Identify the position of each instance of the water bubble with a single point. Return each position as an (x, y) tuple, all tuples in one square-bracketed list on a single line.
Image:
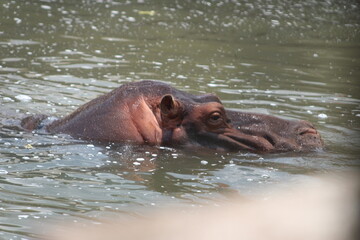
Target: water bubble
[(23, 98), (203, 162), (46, 7), (131, 19), (86, 67), (181, 77), (322, 116), (17, 20), (7, 99), (275, 22)]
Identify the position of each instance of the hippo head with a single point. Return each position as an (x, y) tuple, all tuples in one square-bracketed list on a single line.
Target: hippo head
[(205, 122)]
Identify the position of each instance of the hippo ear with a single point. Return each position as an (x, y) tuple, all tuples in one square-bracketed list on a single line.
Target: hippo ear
[(169, 106)]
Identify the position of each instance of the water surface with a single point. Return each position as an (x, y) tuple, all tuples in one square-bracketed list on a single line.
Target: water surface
[(293, 59)]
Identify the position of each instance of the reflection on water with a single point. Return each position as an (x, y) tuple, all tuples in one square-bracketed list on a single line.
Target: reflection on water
[(298, 60)]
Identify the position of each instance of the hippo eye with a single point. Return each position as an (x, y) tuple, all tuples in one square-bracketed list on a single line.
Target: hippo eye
[(215, 118)]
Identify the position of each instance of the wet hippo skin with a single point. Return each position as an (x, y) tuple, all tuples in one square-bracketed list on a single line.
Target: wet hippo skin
[(155, 113)]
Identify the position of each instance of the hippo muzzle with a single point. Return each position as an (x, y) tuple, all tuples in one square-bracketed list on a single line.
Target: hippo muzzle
[(264, 133)]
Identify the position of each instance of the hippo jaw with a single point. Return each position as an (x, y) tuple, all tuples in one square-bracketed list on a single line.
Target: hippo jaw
[(248, 142), (232, 140)]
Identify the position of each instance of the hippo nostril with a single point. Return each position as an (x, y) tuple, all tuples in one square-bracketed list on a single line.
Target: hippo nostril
[(307, 131)]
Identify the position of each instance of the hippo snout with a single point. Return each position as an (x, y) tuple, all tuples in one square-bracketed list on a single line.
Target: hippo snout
[(308, 137), (280, 134)]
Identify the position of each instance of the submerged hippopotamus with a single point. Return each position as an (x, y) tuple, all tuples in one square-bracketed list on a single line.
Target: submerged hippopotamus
[(155, 113)]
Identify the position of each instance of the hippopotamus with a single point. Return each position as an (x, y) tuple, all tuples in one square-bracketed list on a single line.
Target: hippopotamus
[(155, 113)]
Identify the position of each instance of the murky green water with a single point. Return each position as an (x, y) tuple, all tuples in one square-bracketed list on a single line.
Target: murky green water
[(294, 59)]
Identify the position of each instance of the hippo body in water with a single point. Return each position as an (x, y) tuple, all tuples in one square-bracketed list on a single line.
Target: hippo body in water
[(155, 113)]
